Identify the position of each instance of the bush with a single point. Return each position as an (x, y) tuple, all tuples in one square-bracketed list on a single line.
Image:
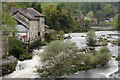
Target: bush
[(42, 43), (104, 43), (50, 37), (25, 56), (58, 56), (100, 38), (61, 34), (53, 37), (82, 68), (15, 47), (104, 49), (88, 58), (91, 38), (78, 59), (105, 39), (118, 58), (103, 56)]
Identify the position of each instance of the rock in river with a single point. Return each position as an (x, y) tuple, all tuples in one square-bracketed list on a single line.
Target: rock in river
[(8, 64)]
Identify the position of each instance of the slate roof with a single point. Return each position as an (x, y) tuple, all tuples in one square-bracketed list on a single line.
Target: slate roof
[(22, 22), (30, 13)]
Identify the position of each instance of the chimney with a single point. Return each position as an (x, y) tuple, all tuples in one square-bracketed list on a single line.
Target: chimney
[(24, 10)]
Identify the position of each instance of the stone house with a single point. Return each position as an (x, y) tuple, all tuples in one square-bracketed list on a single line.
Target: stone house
[(31, 24)]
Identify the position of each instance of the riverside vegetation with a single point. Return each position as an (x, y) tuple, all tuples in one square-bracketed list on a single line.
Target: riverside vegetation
[(61, 57)]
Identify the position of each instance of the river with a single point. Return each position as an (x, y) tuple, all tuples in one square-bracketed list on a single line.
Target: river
[(28, 68)]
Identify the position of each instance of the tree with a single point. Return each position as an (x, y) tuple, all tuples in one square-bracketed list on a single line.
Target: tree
[(104, 49), (36, 6), (91, 38), (51, 13), (58, 56), (6, 6), (115, 23), (87, 24), (15, 46), (9, 23), (100, 16), (103, 56), (90, 15), (88, 58), (108, 10)]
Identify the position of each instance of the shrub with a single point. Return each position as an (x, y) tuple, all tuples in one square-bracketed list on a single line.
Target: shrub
[(53, 36), (100, 38), (115, 42), (15, 47), (104, 49), (42, 43), (104, 43), (91, 38), (102, 58), (88, 58), (118, 58), (61, 34), (25, 56), (105, 39), (103, 35), (78, 59), (58, 56)]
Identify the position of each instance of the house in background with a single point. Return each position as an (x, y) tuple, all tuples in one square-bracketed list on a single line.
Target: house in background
[(31, 24)]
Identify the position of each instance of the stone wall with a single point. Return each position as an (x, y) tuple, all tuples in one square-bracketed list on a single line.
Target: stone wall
[(42, 27), (33, 30)]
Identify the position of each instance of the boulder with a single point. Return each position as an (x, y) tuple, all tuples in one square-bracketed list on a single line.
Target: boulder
[(8, 64)]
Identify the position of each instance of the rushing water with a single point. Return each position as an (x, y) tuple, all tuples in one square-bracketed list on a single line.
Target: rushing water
[(28, 68), (104, 71)]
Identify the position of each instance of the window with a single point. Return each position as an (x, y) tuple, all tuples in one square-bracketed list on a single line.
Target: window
[(38, 33), (42, 22)]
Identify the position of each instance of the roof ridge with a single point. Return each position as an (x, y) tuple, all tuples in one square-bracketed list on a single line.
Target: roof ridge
[(37, 12)]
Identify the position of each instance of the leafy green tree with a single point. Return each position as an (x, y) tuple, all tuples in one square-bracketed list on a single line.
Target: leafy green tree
[(9, 23), (91, 38), (103, 56), (114, 23), (87, 24), (36, 6), (6, 6), (108, 10), (90, 15), (104, 49), (51, 13), (88, 58), (61, 34), (118, 58), (15, 47), (100, 16), (58, 56)]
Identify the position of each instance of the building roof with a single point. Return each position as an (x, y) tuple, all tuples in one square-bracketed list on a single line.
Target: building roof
[(30, 13)]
